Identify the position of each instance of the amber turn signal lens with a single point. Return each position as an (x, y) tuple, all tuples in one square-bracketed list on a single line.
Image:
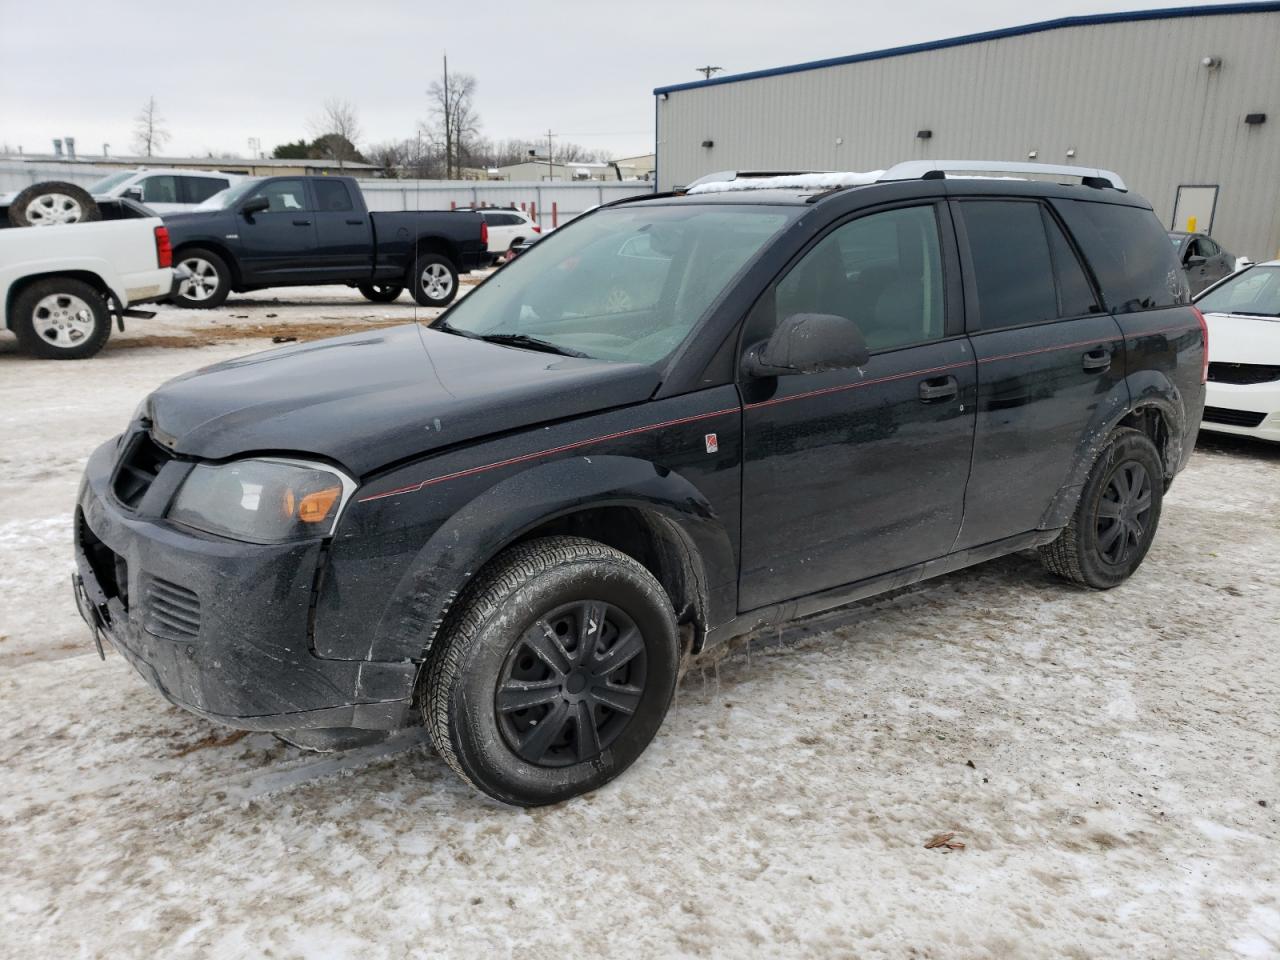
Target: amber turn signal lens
[(315, 507)]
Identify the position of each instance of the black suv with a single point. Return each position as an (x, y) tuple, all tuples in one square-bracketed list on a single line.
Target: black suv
[(674, 421)]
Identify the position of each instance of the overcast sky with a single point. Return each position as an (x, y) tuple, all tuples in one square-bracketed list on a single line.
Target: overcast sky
[(225, 71)]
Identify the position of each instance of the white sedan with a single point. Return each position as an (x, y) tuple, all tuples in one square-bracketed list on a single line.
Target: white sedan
[(1243, 317)]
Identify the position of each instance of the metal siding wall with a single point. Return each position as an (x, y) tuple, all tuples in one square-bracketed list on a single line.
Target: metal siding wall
[(1132, 97)]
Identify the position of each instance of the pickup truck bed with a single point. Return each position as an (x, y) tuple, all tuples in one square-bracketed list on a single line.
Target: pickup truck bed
[(61, 286), (287, 231)]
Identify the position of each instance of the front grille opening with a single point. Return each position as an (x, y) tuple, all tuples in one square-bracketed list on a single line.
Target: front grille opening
[(108, 567), (170, 610), (1244, 373), (138, 468), (1233, 418)]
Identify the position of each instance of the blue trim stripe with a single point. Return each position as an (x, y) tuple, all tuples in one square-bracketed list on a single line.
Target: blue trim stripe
[(1168, 13)]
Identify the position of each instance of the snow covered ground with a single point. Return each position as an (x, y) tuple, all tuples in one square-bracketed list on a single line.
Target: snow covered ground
[(1108, 760)]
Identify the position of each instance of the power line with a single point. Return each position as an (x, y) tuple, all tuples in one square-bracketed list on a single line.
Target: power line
[(707, 71)]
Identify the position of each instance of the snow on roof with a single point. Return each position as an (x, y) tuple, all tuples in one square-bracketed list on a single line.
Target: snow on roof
[(815, 182)]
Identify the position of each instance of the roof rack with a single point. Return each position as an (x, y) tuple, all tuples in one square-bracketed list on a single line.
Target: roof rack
[(725, 176), (938, 169)]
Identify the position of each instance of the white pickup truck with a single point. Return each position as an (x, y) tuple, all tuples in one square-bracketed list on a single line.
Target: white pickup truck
[(61, 287)]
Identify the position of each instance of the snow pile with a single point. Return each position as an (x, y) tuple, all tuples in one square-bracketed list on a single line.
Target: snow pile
[(816, 182)]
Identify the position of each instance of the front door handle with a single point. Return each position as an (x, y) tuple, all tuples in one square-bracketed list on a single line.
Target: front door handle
[(302, 223), (1096, 360), (356, 223), (938, 388)]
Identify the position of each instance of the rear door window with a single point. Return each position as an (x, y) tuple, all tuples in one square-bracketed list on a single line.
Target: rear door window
[(1076, 297), (160, 189), (332, 196), (1012, 266), (199, 189), (1129, 252)]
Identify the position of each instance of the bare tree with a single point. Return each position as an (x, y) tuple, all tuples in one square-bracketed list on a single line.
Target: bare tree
[(336, 131), (149, 132), (455, 123)]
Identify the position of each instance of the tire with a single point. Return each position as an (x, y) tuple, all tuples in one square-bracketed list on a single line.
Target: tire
[(210, 281), (1116, 520), (61, 318), (434, 280), (380, 292), (51, 203), (487, 690)]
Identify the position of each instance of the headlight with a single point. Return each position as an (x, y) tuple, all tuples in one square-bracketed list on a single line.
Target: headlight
[(262, 501)]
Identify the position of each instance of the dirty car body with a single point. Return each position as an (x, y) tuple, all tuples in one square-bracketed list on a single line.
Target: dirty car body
[(659, 424)]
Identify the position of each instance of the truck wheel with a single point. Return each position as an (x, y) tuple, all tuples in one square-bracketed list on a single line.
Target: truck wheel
[(209, 283), (1115, 522), (380, 292), (435, 281), (51, 203), (554, 671), (61, 319)]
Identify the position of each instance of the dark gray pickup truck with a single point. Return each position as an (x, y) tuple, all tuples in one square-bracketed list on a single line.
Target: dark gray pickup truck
[(304, 231)]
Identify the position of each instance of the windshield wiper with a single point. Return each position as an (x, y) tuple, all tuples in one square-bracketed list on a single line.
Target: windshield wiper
[(530, 343)]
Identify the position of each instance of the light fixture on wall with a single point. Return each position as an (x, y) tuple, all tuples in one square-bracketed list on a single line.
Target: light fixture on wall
[(662, 96), (924, 134), (1071, 152), (1253, 119), (1211, 63), (708, 143), (1031, 154)]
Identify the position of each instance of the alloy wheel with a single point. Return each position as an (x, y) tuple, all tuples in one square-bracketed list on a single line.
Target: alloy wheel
[(1123, 511), (203, 282), (571, 683), (437, 281), (49, 209), (63, 320)]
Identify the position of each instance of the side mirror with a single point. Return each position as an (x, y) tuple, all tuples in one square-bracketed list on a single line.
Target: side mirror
[(1196, 261), (133, 193), (255, 205), (808, 343)]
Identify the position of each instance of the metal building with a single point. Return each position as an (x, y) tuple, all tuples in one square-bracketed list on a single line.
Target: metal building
[(1184, 103)]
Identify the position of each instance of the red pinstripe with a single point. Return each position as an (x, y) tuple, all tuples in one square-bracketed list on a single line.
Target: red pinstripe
[(577, 444)]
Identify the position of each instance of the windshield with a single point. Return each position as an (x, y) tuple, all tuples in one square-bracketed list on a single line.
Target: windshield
[(1254, 292), (106, 183), (228, 197), (625, 284)]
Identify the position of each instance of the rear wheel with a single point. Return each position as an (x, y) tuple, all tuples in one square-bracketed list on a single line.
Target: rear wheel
[(555, 673), (435, 281), (61, 319), (208, 283), (51, 203), (380, 292), (1116, 519)]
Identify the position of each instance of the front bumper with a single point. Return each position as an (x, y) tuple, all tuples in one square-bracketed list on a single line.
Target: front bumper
[(1247, 410), (218, 627)]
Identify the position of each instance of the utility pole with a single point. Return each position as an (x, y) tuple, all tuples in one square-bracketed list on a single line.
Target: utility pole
[(448, 125), (550, 171), (707, 71)]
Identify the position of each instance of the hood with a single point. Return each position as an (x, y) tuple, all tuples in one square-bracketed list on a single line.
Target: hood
[(371, 399), (1237, 339)]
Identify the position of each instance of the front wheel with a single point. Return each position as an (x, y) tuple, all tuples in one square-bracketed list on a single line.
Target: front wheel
[(434, 281), (380, 292), (554, 673), (208, 282), (61, 319), (1113, 526)]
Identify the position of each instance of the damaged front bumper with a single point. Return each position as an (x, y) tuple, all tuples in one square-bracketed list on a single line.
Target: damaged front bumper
[(218, 627)]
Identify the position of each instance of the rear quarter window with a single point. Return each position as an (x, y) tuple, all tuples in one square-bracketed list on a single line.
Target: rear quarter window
[(1130, 254)]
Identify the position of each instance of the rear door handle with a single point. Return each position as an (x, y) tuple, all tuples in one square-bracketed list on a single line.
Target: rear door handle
[(355, 223), (1096, 360), (938, 388), (302, 223)]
